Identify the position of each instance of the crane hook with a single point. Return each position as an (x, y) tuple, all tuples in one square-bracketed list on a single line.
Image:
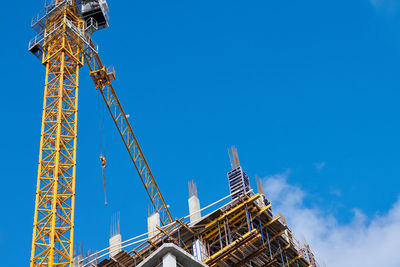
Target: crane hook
[(103, 166)]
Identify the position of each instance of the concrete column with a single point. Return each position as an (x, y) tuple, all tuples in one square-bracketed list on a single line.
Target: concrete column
[(261, 201), (194, 208), (152, 222), (115, 245), (169, 260), (199, 250), (76, 259)]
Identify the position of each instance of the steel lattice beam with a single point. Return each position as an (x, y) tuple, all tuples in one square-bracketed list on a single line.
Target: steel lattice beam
[(52, 241), (102, 80)]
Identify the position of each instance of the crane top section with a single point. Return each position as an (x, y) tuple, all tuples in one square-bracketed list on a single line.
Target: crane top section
[(89, 10), (95, 10), (94, 13)]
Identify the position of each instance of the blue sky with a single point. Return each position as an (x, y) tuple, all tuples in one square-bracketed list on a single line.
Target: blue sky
[(307, 90)]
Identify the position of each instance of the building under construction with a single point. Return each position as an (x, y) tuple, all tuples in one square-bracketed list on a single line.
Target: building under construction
[(242, 232), (242, 229)]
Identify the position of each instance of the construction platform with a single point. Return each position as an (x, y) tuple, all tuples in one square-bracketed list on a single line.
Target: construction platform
[(240, 233)]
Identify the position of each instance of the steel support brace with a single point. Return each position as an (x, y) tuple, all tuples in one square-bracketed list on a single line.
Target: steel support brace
[(179, 237), (262, 234), (248, 218), (269, 245), (220, 238), (229, 230), (280, 252)]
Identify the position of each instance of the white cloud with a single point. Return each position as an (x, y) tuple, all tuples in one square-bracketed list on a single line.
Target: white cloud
[(362, 242)]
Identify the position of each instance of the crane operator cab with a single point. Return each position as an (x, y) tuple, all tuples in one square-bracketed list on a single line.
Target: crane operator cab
[(95, 12)]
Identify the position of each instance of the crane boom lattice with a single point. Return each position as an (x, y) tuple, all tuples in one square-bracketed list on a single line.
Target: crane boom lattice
[(62, 54), (102, 79), (63, 44)]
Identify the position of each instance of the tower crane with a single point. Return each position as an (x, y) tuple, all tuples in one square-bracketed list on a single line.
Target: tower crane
[(64, 44)]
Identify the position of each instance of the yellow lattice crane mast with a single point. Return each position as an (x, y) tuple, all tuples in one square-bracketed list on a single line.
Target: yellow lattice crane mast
[(63, 44)]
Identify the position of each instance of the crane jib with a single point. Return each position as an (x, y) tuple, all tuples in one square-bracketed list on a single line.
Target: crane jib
[(131, 144)]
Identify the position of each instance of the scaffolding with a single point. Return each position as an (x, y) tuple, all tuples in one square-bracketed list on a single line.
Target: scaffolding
[(242, 232)]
